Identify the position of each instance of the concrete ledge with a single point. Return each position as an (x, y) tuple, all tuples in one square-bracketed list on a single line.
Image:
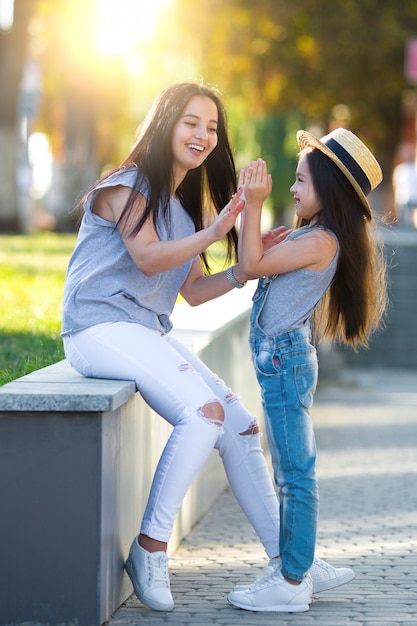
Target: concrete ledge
[(60, 388), (77, 457)]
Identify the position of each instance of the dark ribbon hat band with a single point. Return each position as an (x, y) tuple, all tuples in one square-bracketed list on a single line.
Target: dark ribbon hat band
[(350, 163)]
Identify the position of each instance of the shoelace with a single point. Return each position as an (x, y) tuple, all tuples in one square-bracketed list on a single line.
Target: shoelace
[(262, 579), (158, 569), (269, 570), (265, 573)]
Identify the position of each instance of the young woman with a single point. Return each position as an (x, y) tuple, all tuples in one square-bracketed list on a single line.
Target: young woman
[(326, 278), (142, 239)]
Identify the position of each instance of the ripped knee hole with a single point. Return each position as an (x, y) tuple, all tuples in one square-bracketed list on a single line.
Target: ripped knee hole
[(213, 411)]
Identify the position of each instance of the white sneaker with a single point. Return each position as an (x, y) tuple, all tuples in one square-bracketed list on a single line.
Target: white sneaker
[(274, 593), (148, 572), (327, 577), (323, 575)]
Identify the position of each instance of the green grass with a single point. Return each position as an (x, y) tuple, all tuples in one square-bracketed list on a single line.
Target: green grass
[(32, 271)]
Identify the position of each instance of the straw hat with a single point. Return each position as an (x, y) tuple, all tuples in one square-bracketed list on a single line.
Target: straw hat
[(351, 156)]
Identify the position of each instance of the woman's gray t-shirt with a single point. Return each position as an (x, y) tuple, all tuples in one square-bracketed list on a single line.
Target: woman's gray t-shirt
[(103, 284), (292, 297)]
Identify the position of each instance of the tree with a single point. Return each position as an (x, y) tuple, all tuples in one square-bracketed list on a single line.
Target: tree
[(13, 50), (280, 65), (331, 61), (84, 101), (78, 101)]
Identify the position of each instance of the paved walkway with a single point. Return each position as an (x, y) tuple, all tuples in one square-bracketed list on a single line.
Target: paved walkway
[(366, 428)]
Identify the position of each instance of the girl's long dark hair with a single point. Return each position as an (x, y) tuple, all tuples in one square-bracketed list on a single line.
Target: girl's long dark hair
[(205, 189), (355, 303)]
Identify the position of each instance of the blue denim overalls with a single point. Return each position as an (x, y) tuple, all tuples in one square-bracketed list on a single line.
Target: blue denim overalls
[(287, 369)]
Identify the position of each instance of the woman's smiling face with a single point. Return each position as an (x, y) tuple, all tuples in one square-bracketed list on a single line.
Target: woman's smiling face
[(194, 136)]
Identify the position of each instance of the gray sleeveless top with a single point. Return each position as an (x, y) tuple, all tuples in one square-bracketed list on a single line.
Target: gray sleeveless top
[(103, 284), (292, 297)]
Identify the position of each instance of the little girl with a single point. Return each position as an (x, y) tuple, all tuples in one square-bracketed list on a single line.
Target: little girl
[(326, 278)]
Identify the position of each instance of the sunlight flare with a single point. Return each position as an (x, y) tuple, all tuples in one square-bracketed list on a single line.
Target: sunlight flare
[(123, 25)]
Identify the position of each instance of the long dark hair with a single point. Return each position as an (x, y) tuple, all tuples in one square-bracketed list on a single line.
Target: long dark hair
[(354, 305), (205, 189)]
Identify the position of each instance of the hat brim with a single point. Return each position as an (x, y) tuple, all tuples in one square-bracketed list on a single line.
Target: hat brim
[(307, 140)]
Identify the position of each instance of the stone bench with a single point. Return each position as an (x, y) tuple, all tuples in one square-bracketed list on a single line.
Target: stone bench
[(77, 456)]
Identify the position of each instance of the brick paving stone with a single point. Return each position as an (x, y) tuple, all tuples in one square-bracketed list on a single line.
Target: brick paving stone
[(366, 429)]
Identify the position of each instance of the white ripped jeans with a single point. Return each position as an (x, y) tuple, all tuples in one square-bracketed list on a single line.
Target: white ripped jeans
[(185, 392)]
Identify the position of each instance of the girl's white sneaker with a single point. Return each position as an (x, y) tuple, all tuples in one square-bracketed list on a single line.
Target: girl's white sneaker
[(274, 594), (323, 575), (326, 577)]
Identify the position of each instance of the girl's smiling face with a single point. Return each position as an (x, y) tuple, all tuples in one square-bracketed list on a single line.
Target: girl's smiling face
[(194, 136), (306, 201)]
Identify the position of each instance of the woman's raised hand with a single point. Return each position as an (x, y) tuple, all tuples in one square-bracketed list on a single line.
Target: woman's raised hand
[(227, 217)]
